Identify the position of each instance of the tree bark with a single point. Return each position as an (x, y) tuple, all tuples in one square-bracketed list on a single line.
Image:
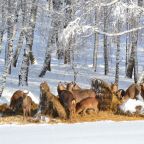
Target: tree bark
[(96, 43), (18, 49), (24, 9), (10, 32), (132, 63), (68, 18), (47, 64), (2, 29), (117, 55), (30, 31), (4, 76), (106, 64), (23, 75)]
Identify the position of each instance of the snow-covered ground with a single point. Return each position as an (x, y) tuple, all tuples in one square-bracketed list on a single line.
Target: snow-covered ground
[(104, 132)]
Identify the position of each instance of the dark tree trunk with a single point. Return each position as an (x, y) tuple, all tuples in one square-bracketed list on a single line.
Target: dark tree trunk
[(105, 43), (117, 60), (47, 65), (133, 63)]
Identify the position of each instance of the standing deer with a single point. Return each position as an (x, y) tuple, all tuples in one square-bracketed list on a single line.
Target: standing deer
[(26, 105), (90, 103), (68, 100)]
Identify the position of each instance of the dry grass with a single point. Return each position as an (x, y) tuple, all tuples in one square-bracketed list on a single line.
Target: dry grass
[(88, 118), (102, 115)]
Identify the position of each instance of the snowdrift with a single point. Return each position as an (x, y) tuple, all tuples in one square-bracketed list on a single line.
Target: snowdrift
[(131, 105)]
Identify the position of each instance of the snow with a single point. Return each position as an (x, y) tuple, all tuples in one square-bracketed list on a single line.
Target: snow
[(3, 100), (104, 132), (130, 106)]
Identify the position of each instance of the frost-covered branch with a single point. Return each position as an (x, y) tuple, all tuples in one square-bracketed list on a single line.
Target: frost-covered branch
[(75, 27), (119, 33)]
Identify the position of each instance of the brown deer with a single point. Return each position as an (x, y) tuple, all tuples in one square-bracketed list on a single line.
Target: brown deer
[(80, 94), (50, 104), (142, 90), (90, 103), (26, 105), (133, 91), (60, 87), (76, 87), (114, 88), (68, 100), (120, 94), (16, 101)]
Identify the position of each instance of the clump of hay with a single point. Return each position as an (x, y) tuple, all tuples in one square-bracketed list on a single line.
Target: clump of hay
[(115, 104), (103, 93)]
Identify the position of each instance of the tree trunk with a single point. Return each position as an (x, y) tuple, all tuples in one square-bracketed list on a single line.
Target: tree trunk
[(127, 42), (47, 64), (136, 61), (68, 18), (10, 32), (1, 40), (3, 15), (24, 8), (96, 43), (23, 75), (18, 49), (57, 20), (53, 40), (117, 56), (4, 76), (30, 32), (11, 4), (132, 63), (106, 67)]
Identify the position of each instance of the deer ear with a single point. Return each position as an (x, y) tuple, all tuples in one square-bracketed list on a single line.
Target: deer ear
[(24, 95), (73, 102), (65, 83), (72, 82), (59, 82), (142, 84)]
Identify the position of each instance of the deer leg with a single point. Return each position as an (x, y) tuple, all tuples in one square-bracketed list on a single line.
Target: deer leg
[(24, 114), (84, 112), (30, 112)]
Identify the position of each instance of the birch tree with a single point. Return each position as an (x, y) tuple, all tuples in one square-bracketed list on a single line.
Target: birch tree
[(28, 55), (68, 18), (105, 40), (53, 38), (3, 22), (117, 54), (96, 41), (25, 11), (132, 62), (11, 4)]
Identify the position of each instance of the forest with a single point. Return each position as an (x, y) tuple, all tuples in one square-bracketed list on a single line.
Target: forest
[(72, 31)]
